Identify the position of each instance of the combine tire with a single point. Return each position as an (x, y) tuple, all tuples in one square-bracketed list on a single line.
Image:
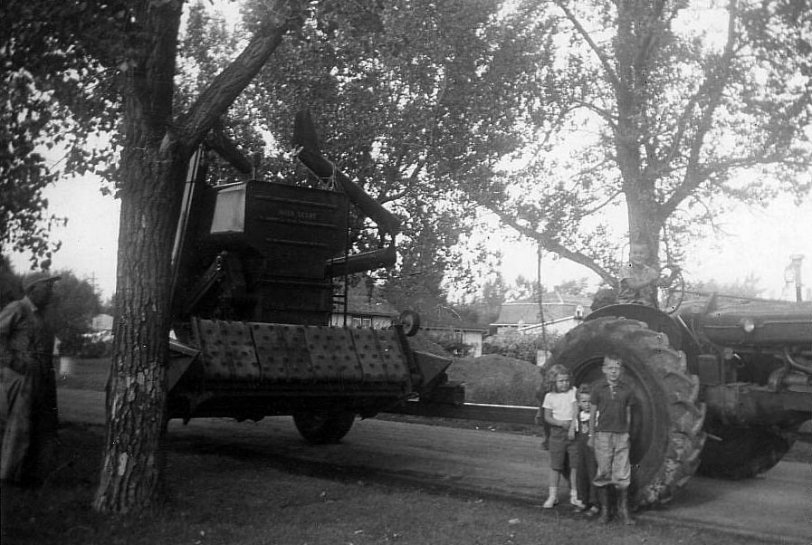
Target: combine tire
[(741, 453), (321, 428), (666, 427)]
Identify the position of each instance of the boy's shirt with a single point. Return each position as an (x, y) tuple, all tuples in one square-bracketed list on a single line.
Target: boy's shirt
[(611, 404), (560, 403), (583, 421), (646, 294)]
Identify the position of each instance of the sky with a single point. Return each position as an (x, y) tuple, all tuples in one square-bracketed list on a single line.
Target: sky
[(758, 242)]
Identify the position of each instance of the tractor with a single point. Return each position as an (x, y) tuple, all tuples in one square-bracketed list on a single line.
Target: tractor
[(723, 388)]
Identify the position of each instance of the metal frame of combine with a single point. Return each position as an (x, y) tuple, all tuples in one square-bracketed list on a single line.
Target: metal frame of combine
[(253, 292)]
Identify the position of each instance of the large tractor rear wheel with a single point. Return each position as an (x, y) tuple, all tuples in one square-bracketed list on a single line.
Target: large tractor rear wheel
[(742, 453), (323, 427), (666, 428)]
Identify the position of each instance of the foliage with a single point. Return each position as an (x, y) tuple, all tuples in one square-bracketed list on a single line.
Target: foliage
[(665, 108), (498, 379), (69, 314), (11, 287), (747, 287), (420, 100), (411, 99), (56, 72), (71, 310), (110, 69), (577, 287), (96, 346), (486, 306), (453, 345), (512, 344), (524, 288)]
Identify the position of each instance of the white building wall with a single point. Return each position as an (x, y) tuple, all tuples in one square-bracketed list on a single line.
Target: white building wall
[(474, 340)]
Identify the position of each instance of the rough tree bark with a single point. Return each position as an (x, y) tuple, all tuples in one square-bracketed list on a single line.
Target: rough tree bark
[(157, 147)]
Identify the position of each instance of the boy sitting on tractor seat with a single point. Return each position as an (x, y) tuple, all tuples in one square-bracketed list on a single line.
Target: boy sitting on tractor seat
[(638, 281)]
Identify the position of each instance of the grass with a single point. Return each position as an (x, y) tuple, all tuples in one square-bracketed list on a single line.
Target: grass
[(84, 374), (239, 500)]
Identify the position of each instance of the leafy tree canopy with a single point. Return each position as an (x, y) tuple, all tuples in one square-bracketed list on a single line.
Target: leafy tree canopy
[(71, 310), (58, 62), (413, 99), (663, 115)]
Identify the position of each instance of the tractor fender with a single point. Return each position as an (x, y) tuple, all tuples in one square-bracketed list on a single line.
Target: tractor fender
[(655, 319)]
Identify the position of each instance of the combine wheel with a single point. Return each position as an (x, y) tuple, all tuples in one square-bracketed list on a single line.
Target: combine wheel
[(666, 428), (320, 428), (742, 452)]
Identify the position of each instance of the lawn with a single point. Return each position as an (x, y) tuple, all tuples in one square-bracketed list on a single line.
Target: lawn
[(235, 499), (214, 498)]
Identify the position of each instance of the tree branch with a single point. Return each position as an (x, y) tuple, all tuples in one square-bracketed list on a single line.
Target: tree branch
[(608, 116), (712, 88), (607, 66), (227, 85), (552, 245), (606, 202), (157, 87)]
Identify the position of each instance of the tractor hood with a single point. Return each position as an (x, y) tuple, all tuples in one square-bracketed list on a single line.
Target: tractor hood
[(757, 324)]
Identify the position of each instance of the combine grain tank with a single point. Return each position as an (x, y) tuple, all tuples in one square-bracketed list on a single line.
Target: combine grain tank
[(254, 292)]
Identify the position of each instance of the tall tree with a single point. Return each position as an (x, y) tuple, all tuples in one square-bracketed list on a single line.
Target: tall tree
[(156, 148), (71, 312), (663, 114), (412, 99), (130, 48)]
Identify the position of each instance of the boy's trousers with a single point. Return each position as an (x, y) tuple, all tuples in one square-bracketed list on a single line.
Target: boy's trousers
[(612, 457)]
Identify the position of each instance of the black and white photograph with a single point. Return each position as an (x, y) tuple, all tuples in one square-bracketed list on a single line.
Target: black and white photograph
[(410, 272)]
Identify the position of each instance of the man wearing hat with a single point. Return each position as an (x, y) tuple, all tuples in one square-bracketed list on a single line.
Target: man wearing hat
[(28, 414)]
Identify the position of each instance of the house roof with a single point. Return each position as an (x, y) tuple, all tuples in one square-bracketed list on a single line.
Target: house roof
[(526, 312)]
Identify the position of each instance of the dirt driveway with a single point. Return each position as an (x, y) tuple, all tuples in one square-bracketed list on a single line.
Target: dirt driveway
[(489, 463)]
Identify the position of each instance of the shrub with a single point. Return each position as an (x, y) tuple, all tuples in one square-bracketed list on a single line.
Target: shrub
[(514, 345), (497, 379)]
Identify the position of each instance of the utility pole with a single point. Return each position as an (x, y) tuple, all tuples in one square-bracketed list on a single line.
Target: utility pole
[(792, 274)]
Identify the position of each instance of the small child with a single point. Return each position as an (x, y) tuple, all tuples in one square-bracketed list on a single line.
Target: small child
[(610, 415), (585, 472), (560, 409), (546, 386), (639, 281)]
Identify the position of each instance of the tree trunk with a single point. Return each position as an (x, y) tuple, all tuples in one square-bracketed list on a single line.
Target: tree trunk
[(157, 147), (644, 221), (151, 173), (638, 26), (136, 394)]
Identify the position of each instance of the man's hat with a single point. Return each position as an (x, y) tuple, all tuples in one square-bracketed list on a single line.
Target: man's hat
[(30, 284)]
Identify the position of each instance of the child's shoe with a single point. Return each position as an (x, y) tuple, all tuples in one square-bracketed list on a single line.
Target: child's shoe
[(552, 499), (574, 501)]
